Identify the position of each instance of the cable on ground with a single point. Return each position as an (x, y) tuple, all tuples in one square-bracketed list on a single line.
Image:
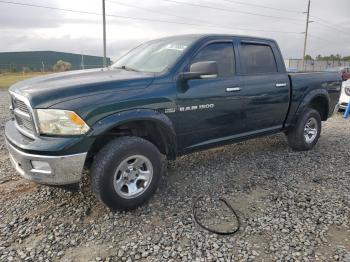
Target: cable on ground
[(195, 217)]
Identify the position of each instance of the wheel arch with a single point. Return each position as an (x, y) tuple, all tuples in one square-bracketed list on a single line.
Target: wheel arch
[(146, 123), (321, 104), (317, 99)]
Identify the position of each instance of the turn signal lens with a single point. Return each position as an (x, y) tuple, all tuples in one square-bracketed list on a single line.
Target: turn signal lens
[(75, 118)]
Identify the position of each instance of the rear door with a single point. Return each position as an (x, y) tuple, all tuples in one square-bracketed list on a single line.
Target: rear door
[(209, 109), (266, 88)]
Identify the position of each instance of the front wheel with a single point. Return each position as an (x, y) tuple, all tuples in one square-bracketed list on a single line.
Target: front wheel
[(126, 172), (305, 134)]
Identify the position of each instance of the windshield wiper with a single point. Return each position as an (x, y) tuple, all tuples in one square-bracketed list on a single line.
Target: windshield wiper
[(127, 68)]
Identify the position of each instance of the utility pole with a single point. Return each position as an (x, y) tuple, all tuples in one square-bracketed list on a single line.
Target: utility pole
[(104, 34), (82, 61), (307, 27)]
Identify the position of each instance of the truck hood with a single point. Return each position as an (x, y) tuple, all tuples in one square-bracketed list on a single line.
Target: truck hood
[(46, 91)]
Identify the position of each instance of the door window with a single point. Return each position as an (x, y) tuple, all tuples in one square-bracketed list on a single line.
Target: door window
[(258, 59), (222, 54)]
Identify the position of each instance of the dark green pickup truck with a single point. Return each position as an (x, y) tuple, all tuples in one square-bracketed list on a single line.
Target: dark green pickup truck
[(170, 96)]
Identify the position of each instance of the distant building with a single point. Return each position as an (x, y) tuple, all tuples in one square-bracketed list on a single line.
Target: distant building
[(297, 65), (44, 60)]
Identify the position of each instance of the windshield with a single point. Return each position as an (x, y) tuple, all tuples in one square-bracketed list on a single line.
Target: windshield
[(154, 56)]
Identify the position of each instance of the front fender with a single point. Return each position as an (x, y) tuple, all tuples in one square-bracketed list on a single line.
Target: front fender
[(161, 120)]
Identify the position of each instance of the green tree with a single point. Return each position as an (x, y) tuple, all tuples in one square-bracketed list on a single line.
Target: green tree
[(62, 66), (333, 57), (308, 57), (346, 58), (319, 57)]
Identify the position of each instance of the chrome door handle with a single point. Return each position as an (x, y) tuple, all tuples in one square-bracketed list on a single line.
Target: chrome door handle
[(281, 85), (233, 89)]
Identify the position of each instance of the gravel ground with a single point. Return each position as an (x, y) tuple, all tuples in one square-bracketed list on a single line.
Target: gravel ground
[(293, 206)]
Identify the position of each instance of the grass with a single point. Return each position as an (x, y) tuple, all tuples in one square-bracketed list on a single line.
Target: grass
[(8, 79)]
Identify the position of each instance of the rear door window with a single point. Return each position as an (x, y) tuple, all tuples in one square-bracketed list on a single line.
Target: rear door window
[(258, 59)]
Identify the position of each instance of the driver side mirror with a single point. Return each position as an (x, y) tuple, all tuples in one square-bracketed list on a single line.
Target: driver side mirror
[(201, 70)]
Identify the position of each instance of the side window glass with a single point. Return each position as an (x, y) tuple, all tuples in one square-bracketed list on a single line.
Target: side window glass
[(258, 59), (222, 54)]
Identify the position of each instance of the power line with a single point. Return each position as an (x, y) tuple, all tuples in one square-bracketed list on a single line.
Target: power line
[(328, 25), (153, 11), (326, 22), (263, 6), (97, 14), (136, 18), (320, 38), (143, 19), (49, 7), (231, 10), (200, 20)]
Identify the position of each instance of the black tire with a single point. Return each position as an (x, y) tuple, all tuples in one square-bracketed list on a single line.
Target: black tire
[(296, 137), (110, 158)]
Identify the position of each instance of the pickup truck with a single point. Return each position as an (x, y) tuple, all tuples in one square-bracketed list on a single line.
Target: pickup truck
[(171, 97)]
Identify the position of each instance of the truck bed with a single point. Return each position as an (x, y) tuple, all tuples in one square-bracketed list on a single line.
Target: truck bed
[(303, 83)]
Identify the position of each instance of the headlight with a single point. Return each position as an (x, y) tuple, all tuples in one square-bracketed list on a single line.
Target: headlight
[(60, 122)]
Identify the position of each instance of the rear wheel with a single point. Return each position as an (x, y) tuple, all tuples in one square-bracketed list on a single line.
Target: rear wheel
[(126, 172), (305, 134)]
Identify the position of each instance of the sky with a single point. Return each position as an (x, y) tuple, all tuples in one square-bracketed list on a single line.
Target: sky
[(24, 28)]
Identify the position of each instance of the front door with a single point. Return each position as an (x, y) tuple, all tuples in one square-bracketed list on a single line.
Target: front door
[(210, 109)]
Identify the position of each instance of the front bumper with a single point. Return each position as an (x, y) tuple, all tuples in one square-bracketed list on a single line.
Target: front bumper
[(47, 160), (59, 170)]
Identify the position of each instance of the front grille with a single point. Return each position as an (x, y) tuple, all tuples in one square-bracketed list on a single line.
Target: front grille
[(21, 106), (23, 117), (27, 124)]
